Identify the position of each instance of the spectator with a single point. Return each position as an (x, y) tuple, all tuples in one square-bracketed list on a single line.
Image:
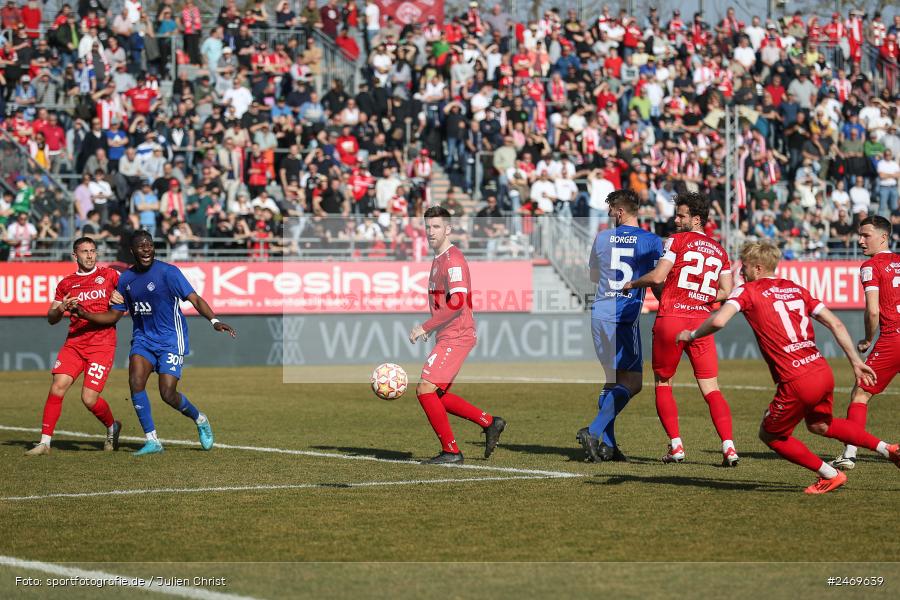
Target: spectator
[(20, 236)]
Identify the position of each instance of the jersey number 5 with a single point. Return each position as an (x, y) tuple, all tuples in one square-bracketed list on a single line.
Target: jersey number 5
[(618, 264), (700, 263)]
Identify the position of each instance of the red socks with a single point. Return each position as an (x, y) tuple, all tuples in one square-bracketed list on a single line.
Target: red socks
[(437, 416), (721, 414), (857, 413), (851, 433), (102, 412), (52, 410), (460, 408), (795, 451), (667, 410)]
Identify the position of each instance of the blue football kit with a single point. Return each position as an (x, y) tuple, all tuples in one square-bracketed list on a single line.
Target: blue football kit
[(159, 335), (618, 255), (159, 329)]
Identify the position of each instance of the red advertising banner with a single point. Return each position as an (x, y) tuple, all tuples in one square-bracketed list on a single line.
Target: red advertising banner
[(834, 282), (27, 289), (405, 12)]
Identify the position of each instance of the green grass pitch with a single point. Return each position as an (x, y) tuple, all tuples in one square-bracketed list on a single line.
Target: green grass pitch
[(282, 509)]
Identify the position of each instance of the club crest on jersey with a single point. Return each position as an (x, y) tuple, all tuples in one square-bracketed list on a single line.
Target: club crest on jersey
[(99, 280), (151, 286)]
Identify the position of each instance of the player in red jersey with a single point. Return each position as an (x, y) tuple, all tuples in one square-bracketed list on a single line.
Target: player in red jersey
[(880, 277), (694, 273), (89, 348), (779, 310), (449, 298)]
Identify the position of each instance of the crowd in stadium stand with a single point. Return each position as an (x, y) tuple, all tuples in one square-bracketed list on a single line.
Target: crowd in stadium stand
[(527, 117)]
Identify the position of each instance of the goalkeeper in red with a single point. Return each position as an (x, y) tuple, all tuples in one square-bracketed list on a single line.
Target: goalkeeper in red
[(449, 298), (778, 311), (695, 273)]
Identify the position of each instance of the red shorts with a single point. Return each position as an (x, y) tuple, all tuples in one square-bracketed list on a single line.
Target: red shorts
[(885, 361), (667, 353), (810, 398), (94, 361), (445, 361)]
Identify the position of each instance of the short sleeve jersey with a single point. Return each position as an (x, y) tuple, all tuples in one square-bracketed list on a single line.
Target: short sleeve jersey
[(449, 275), (94, 290), (621, 254), (693, 283), (153, 298), (881, 273), (778, 311)]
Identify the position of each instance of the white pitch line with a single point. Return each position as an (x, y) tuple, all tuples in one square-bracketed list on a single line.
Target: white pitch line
[(113, 580), (80, 434), (287, 486), (524, 379)]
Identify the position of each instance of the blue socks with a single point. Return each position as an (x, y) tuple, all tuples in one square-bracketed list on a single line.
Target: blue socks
[(142, 408), (188, 409), (611, 402)]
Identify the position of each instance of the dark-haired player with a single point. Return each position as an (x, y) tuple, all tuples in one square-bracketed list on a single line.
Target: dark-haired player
[(151, 291), (695, 273), (619, 255), (89, 348), (449, 298), (779, 312), (880, 277)]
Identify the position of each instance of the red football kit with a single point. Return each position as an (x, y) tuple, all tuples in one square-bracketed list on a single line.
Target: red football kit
[(690, 288), (779, 311), (453, 324), (89, 348), (881, 273)]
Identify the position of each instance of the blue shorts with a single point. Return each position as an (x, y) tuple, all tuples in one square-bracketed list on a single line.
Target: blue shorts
[(165, 361), (618, 345)]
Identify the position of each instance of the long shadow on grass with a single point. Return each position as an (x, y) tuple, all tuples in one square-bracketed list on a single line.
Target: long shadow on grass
[(572, 453), (69, 445), (716, 484), (772, 456), (373, 452)]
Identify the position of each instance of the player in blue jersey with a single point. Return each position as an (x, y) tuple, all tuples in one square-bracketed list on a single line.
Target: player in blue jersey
[(619, 254), (151, 291)]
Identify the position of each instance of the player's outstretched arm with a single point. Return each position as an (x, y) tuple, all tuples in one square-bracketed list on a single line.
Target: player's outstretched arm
[(207, 312), (863, 372), (870, 320), (714, 323), (109, 317), (654, 278)]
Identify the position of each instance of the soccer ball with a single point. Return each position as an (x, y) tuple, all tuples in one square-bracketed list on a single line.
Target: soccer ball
[(389, 381)]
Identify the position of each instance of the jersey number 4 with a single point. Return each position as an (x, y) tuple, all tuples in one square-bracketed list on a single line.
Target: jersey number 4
[(700, 263)]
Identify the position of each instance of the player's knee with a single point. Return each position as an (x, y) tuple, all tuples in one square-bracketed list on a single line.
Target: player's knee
[(818, 427), (860, 396), (425, 387), (88, 399), (136, 383), (765, 437)]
